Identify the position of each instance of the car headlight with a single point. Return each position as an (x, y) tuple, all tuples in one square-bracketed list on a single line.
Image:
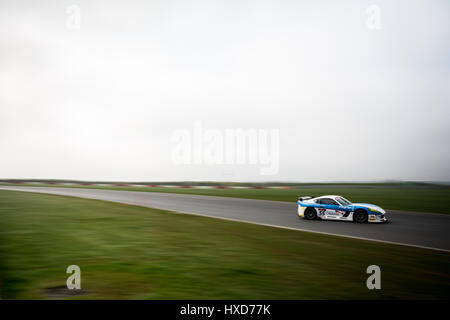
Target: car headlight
[(373, 210)]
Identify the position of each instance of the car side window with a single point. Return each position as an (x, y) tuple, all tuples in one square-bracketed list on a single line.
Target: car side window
[(328, 201)]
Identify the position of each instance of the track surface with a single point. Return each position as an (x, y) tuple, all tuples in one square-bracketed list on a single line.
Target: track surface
[(412, 228)]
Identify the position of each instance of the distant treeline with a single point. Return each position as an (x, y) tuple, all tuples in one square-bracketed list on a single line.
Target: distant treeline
[(221, 183)]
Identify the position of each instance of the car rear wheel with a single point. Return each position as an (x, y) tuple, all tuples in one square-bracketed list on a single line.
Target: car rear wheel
[(310, 214), (360, 216)]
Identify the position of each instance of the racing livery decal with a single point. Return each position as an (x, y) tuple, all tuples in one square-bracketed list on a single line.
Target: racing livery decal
[(338, 208)]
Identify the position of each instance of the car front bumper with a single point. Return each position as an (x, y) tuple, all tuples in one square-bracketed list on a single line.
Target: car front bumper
[(377, 218)]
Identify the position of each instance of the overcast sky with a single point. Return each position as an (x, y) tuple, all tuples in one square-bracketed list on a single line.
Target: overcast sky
[(101, 100)]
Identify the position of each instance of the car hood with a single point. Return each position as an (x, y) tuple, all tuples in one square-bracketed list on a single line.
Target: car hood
[(369, 206)]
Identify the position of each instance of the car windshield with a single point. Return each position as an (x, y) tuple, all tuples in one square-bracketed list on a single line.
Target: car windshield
[(343, 201)]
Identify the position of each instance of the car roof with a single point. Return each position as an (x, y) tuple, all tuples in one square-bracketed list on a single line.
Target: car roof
[(328, 196)]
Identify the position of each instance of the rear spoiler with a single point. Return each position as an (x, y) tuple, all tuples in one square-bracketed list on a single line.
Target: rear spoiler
[(304, 198)]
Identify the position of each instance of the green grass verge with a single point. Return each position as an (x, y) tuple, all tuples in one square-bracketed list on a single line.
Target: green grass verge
[(135, 252), (421, 198)]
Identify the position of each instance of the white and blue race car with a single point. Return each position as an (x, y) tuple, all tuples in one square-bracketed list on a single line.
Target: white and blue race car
[(339, 208)]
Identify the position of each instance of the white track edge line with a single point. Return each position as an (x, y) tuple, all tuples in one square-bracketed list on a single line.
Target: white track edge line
[(311, 231)]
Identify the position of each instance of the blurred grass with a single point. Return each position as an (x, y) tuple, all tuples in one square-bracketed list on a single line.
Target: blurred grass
[(421, 198), (129, 252)]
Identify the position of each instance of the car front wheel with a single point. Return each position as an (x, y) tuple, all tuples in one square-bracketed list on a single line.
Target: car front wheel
[(360, 216)]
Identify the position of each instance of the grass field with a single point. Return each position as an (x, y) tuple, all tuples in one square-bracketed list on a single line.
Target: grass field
[(421, 198), (134, 252)]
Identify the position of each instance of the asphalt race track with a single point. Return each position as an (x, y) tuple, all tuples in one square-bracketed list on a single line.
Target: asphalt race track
[(429, 230)]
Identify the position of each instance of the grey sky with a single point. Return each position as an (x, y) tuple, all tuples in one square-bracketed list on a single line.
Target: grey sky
[(101, 102)]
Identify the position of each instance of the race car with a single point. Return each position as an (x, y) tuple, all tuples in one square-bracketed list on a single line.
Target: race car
[(339, 208)]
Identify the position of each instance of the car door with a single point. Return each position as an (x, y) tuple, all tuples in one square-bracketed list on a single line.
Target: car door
[(329, 208)]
